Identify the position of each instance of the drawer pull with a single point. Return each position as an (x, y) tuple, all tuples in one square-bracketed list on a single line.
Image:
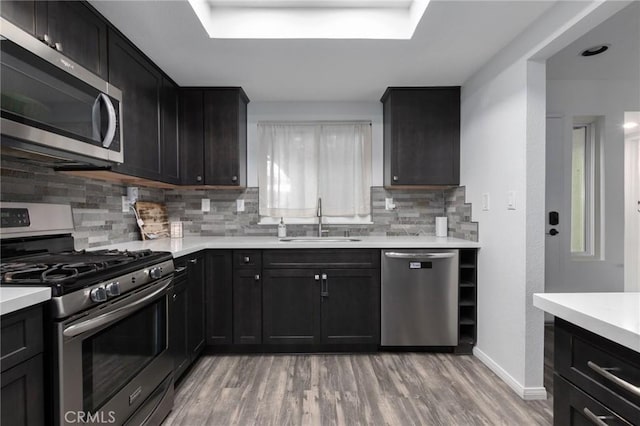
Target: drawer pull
[(596, 420), (604, 372)]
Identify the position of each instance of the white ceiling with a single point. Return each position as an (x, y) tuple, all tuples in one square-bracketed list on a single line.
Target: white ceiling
[(452, 41), (620, 62)]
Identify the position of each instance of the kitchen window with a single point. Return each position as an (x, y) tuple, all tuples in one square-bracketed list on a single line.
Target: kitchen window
[(585, 188), (300, 162)]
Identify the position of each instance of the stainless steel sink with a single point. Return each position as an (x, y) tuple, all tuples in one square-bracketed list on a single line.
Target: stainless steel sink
[(319, 240)]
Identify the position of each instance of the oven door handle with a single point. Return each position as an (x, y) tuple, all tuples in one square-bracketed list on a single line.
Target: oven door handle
[(99, 321)]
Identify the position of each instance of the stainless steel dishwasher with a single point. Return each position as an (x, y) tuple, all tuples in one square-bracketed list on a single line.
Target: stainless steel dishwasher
[(419, 298)]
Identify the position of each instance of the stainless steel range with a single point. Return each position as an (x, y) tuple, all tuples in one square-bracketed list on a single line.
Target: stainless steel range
[(109, 318)]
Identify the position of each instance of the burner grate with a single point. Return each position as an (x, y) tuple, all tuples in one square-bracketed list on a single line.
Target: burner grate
[(66, 267)]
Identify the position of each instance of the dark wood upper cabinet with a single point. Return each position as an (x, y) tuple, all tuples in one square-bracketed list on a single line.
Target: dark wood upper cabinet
[(225, 136), (80, 33), (191, 125), (24, 14), (421, 136), (213, 135), (170, 148), (141, 84), (73, 27)]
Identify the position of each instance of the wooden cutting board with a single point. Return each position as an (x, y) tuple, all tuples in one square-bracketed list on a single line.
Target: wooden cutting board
[(155, 220)]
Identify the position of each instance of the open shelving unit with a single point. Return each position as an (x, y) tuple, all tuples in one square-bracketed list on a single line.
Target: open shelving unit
[(467, 300)]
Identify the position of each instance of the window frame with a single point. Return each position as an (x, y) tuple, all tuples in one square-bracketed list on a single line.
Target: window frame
[(327, 220), (592, 187)]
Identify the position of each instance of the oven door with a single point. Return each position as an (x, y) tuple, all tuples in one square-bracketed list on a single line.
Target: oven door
[(112, 359)]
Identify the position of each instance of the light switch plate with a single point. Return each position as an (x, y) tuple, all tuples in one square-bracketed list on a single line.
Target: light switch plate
[(485, 201), (206, 205), (511, 200), (239, 205)]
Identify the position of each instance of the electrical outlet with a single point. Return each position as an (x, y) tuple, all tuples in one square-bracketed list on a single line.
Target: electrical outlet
[(511, 200), (388, 204), (125, 204), (206, 205), (485, 201), (239, 205)]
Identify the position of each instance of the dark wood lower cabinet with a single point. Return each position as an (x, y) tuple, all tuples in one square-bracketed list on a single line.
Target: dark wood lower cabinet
[(195, 304), (281, 300), (247, 306), (351, 306), (178, 328), (219, 298), (594, 379), (291, 307), (329, 306), (22, 394), (186, 328), (22, 377)]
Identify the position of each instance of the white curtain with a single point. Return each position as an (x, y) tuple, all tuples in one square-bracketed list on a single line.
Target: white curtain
[(300, 162)]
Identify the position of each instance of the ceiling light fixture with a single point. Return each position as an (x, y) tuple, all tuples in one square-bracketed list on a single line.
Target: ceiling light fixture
[(595, 50), (310, 19), (630, 125)]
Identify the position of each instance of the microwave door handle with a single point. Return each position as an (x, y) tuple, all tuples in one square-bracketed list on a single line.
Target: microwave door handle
[(95, 117), (111, 127)]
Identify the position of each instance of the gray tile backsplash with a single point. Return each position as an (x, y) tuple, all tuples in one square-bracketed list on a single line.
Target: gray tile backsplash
[(98, 218), (96, 205)]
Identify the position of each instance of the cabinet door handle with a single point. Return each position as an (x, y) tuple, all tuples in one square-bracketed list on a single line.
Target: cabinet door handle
[(46, 40), (395, 178), (324, 292), (316, 277), (246, 259), (199, 178), (604, 372), (175, 297), (234, 178), (596, 420), (194, 261), (256, 277), (58, 46)]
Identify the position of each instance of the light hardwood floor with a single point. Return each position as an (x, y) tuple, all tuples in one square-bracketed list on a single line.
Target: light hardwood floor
[(327, 389)]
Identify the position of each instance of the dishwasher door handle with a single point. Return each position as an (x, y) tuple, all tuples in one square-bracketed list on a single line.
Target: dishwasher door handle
[(398, 255)]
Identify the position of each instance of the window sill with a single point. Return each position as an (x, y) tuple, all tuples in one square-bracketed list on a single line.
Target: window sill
[(305, 221)]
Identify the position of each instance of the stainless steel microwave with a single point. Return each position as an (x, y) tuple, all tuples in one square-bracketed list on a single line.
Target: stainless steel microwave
[(53, 107)]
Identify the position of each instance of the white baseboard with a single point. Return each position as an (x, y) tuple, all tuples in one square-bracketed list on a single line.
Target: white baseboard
[(529, 393)]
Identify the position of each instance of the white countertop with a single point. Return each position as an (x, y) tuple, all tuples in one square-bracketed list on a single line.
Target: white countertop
[(183, 246), (15, 298), (615, 316)]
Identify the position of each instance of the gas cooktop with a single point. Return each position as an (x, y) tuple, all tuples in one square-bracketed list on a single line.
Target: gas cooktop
[(68, 271)]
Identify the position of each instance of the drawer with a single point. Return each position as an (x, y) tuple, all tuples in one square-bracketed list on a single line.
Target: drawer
[(572, 407), (603, 369), (21, 336), (247, 259), (312, 258)]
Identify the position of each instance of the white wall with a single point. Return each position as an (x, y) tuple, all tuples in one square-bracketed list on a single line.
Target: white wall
[(503, 149), (608, 98), (315, 111)]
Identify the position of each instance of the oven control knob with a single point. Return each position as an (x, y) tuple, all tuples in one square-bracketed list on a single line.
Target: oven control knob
[(155, 273), (99, 294), (113, 289)]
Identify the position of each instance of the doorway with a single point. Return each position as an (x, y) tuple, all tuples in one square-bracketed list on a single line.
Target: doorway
[(632, 200)]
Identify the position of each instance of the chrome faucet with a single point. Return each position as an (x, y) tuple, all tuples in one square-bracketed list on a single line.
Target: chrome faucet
[(319, 214)]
